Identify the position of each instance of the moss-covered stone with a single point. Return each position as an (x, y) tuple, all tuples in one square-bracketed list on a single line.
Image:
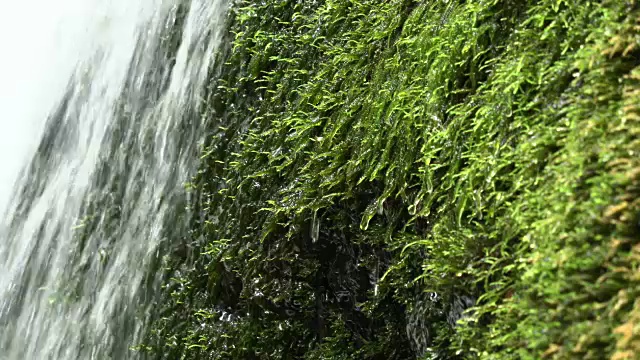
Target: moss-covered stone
[(392, 179)]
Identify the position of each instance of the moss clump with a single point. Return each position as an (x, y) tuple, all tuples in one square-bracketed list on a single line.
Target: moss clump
[(442, 179)]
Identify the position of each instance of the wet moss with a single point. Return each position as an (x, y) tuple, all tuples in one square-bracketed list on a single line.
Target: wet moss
[(386, 180)]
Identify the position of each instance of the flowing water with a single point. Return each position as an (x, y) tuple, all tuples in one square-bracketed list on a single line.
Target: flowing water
[(99, 129)]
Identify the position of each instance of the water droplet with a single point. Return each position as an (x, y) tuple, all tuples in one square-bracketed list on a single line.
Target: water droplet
[(315, 227)]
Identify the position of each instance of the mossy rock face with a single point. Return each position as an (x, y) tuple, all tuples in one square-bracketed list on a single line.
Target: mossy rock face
[(400, 179)]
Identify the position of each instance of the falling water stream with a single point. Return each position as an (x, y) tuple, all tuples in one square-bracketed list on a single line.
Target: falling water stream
[(99, 129)]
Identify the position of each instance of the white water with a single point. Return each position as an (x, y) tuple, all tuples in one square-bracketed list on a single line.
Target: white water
[(99, 128)]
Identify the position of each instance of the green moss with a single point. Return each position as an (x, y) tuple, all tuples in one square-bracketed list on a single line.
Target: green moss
[(375, 168)]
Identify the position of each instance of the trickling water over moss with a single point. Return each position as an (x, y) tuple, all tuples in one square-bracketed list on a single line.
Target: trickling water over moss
[(392, 179)]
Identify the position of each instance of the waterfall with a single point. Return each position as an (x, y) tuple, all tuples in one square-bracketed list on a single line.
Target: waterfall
[(100, 126)]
